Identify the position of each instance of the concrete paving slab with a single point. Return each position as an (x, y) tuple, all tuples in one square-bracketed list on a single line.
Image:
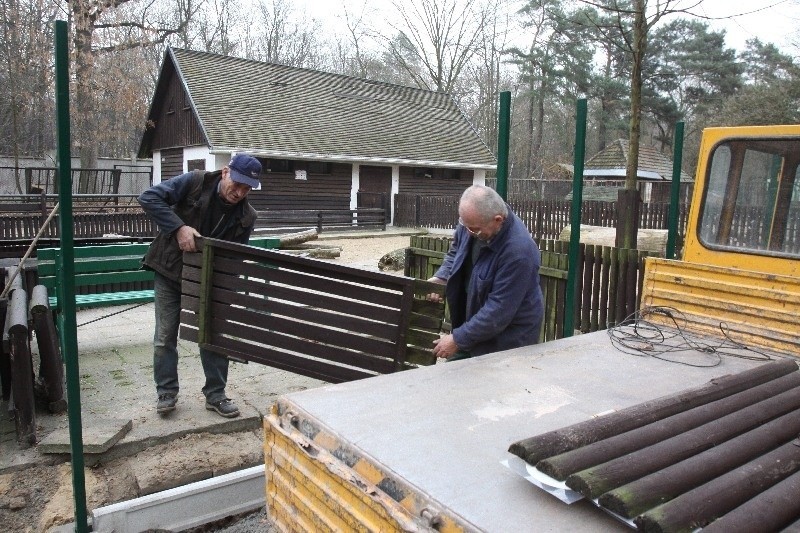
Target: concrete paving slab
[(98, 437)]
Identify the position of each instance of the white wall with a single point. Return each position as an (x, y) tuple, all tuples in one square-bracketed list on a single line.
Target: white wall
[(198, 152), (355, 185)]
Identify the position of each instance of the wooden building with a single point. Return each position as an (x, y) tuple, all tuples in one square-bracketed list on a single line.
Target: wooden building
[(606, 171), (325, 141)]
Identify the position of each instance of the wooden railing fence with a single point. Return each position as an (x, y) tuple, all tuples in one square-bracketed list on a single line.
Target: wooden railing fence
[(545, 219), (608, 285), (324, 219)]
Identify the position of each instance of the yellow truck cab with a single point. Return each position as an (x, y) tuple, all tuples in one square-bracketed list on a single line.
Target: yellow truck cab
[(745, 212), (741, 261)]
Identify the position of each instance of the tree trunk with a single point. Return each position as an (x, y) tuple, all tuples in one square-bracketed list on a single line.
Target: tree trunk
[(83, 22), (629, 224)]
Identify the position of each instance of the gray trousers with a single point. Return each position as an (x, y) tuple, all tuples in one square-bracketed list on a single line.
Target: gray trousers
[(165, 346)]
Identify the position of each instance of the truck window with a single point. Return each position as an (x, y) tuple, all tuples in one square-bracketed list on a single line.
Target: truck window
[(751, 201)]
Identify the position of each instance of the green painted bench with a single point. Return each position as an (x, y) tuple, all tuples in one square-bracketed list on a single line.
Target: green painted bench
[(108, 275)]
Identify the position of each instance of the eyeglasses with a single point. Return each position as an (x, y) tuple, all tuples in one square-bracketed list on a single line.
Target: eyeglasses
[(470, 230)]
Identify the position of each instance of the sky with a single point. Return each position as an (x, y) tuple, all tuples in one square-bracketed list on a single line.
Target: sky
[(774, 21)]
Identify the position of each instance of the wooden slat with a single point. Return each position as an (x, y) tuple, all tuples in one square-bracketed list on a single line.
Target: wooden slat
[(254, 342)]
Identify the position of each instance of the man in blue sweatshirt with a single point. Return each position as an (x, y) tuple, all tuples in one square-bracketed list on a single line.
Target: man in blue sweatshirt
[(492, 277)]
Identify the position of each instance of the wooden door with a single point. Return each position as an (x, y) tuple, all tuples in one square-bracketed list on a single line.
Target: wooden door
[(375, 188)]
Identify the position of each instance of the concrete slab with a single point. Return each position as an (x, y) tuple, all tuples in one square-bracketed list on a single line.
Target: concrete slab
[(451, 424), (98, 437)]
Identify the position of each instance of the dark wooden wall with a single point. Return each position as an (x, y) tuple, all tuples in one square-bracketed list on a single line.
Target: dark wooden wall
[(435, 185), (281, 191), (176, 124), (171, 163)]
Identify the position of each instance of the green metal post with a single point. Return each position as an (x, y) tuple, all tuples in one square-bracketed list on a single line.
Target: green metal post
[(675, 191), (66, 277), (502, 144), (575, 217)]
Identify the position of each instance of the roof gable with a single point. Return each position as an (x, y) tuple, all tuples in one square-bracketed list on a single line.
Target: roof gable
[(280, 111), (615, 156)]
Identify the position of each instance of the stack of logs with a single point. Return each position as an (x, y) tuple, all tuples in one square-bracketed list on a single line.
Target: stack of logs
[(20, 387), (724, 456)]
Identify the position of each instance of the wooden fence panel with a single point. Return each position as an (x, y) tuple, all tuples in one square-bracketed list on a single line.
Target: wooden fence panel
[(306, 316), (608, 283)]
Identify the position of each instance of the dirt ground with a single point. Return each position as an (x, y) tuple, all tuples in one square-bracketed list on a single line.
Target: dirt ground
[(38, 498)]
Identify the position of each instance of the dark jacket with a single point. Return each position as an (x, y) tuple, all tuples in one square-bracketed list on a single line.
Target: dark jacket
[(186, 200), (502, 307)]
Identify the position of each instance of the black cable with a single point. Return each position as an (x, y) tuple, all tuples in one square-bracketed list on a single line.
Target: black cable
[(636, 335), (112, 314)]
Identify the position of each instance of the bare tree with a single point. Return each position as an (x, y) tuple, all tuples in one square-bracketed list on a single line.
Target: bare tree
[(284, 38), (26, 103), (105, 27), (434, 40), (486, 76)]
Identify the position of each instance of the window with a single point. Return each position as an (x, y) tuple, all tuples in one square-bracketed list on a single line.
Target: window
[(318, 167), (196, 164), (279, 165), (752, 200)]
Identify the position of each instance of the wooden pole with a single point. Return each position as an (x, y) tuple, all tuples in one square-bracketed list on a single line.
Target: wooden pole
[(51, 370), (645, 493), (597, 480), (535, 449), (561, 466), (773, 510), (704, 504)]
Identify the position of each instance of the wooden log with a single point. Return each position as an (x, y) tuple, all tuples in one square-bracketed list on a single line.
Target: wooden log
[(21, 369), (772, 510), (317, 253), (597, 480), (793, 528), (51, 371), (561, 466), (714, 499), (562, 440), (645, 493), (298, 237), (652, 240)]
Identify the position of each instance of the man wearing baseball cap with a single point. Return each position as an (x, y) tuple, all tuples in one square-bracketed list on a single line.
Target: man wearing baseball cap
[(198, 203)]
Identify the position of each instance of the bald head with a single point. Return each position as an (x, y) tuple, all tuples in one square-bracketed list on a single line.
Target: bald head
[(483, 203)]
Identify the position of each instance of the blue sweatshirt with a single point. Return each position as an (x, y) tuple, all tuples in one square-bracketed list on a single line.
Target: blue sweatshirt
[(502, 307)]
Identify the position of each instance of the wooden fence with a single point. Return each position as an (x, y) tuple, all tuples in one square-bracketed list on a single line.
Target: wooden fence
[(324, 219), (545, 219), (306, 316), (609, 281), (26, 226)]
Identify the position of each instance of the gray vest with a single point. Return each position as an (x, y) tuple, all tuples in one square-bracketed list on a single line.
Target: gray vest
[(165, 257)]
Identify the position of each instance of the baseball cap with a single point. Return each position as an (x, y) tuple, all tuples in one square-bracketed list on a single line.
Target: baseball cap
[(246, 169)]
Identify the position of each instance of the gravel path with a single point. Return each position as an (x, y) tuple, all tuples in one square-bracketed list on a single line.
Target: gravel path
[(365, 253)]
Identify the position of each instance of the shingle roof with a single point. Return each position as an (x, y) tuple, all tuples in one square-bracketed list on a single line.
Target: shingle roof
[(281, 111), (615, 156)]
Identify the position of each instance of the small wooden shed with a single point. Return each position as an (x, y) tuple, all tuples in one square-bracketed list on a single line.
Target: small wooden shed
[(607, 169), (325, 141)]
